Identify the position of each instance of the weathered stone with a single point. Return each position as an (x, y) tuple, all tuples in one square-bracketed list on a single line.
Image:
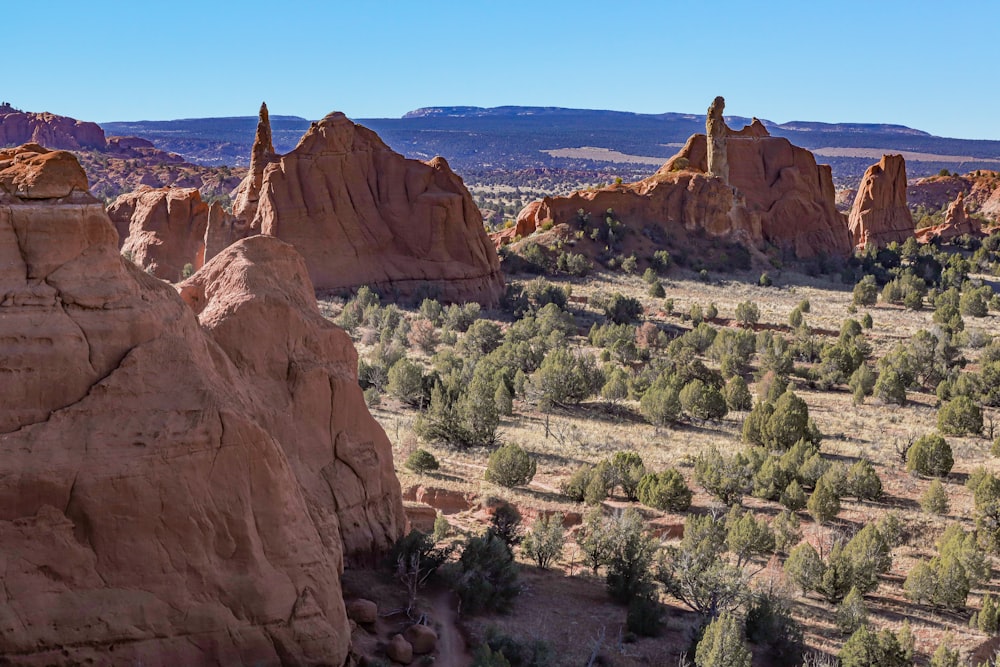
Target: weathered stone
[(175, 491), (775, 193), (880, 215), (33, 172), (362, 611), (399, 650), (717, 132), (162, 230), (361, 214), (957, 222), (422, 638)]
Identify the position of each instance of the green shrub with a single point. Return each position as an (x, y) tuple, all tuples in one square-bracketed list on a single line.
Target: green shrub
[(510, 466), (544, 542), (852, 612), (487, 579), (930, 455), (665, 491), (722, 644), (960, 416), (934, 500), (421, 461), (823, 504), (747, 313)]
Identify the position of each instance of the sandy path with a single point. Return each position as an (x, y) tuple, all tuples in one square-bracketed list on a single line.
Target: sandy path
[(451, 649)]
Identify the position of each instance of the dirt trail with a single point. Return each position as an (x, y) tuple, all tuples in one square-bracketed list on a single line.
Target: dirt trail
[(451, 649)]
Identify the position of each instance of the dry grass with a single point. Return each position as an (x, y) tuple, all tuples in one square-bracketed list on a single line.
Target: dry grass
[(561, 441)]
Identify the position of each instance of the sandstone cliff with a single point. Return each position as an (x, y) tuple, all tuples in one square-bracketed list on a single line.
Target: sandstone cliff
[(52, 131), (162, 230), (174, 489), (880, 215), (360, 213), (773, 192)]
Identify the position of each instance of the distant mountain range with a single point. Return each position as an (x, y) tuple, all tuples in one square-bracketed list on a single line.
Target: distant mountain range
[(479, 141)]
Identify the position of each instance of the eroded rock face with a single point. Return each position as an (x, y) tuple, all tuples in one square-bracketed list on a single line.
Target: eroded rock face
[(361, 214), (162, 229), (775, 193), (957, 222), (880, 215), (58, 132), (154, 506), (716, 131), (33, 172)]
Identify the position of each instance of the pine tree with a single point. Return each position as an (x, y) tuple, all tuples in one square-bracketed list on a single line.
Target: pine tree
[(722, 645)]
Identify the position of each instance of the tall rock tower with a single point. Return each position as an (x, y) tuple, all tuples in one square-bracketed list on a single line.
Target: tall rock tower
[(717, 133)]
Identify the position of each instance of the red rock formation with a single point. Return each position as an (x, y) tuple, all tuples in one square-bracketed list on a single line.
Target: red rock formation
[(779, 195), (49, 130), (956, 223), (175, 492), (880, 215), (32, 172), (221, 230), (162, 229), (361, 214), (981, 189)]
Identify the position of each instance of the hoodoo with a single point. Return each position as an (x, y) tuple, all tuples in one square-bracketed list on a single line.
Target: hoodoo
[(880, 215), (362, 214), (742, 184), (182, 478)]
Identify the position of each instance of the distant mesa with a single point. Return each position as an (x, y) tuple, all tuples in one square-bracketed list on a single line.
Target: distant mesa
[(748, 187), (880, 215), (184, 474)]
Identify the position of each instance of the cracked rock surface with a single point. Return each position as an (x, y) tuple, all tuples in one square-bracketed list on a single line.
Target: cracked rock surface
[(182, 475)]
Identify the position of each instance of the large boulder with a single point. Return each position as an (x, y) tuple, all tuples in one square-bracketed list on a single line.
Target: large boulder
[(157, 503), (162, 230), (766, 189), (361, 214), (32, 172), (880, 215)]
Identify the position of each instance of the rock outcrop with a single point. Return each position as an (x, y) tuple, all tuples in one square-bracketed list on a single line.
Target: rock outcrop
[(957, 222), (361, 214), (775, 193), (717, 132), (162, 230), (981, 190), (880, 215), (175, 489), (49, 130)]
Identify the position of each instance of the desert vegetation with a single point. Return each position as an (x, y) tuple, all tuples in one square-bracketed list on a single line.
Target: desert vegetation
[(799, 467)]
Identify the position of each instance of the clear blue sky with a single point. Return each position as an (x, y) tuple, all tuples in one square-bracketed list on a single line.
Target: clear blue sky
[(930, 65)]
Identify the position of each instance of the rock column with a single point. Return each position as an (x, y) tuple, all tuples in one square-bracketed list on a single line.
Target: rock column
[(717, 132)]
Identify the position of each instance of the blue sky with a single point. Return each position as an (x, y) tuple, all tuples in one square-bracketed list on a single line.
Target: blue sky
[(929, 65)]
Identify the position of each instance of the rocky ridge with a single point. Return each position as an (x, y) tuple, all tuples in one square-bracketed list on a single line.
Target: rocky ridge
[(765, 190), (184, 474), (113, 164), (362, 214)]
